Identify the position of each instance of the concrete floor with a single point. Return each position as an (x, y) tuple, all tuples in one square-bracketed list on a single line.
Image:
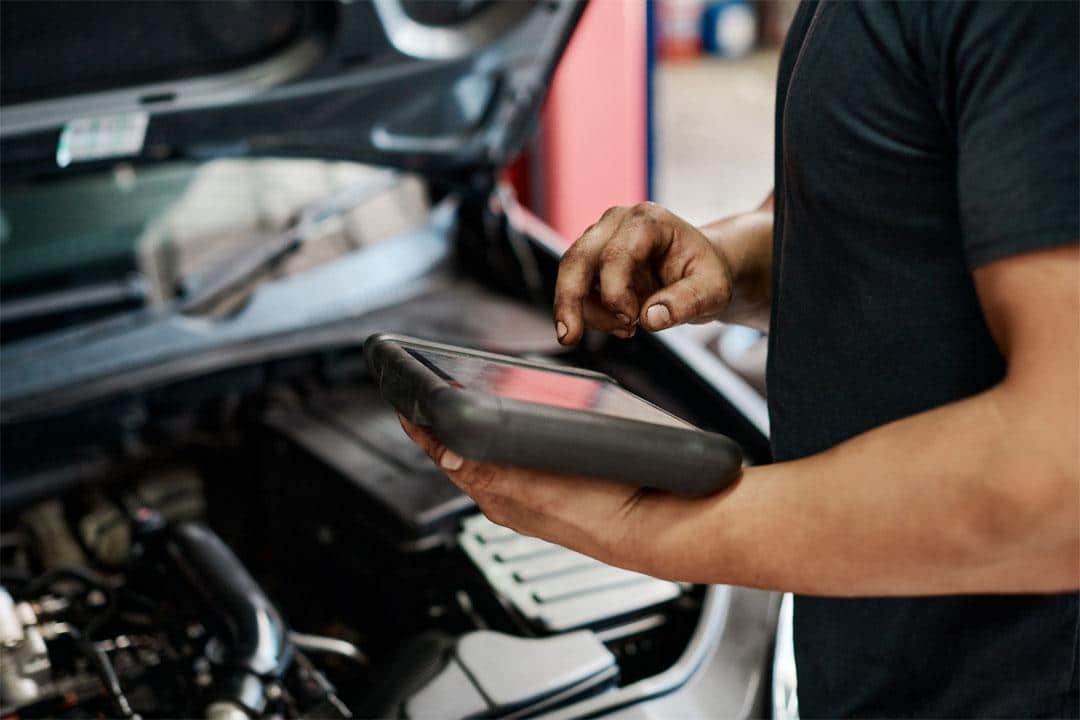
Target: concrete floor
[(714, 134), (714, 157)]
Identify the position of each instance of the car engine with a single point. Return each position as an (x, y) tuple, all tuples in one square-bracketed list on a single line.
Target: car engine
[(266, 542), (188, 628)]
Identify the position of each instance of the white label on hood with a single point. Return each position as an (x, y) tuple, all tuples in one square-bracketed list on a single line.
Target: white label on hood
[(101, 137)]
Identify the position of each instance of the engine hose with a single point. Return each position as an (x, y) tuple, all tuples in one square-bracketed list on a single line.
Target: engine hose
[(254, 635)]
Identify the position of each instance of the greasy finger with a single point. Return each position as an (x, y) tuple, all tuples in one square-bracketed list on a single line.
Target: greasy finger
[(616, 283), (576, 273), (478, 480), (600, 318), (623, 257), (422, 436)]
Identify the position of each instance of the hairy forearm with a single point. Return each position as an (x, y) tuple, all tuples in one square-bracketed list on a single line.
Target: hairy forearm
[(746, 242), (960, 499)]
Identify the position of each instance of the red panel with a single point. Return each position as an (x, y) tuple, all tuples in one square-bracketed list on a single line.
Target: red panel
[(593, 141)]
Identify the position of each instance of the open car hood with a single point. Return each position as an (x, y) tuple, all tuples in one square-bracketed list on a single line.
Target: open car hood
[(432, 87)]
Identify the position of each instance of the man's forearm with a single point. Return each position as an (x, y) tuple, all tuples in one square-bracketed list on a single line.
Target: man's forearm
[(948, 501)]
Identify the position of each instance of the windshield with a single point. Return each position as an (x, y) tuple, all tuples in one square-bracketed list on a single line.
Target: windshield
[(80, 248)]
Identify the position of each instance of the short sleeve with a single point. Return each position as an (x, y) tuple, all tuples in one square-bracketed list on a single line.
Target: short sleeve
[(1011, 86)]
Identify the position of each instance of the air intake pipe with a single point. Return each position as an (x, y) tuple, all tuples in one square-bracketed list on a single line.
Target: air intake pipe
[(254, 640)]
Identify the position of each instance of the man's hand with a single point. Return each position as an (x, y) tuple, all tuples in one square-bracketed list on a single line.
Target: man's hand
[(643, 264)]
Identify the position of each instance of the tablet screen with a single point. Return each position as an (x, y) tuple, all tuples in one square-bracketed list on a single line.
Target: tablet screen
[(544, 387)]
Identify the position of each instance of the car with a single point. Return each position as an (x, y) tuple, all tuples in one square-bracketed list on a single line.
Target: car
[(207, 509)]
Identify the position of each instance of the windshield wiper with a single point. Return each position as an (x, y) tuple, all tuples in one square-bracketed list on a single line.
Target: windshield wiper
[(206, 290), (84, 297)]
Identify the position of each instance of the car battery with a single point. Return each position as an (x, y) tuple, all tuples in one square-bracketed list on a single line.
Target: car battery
[(343, 452)]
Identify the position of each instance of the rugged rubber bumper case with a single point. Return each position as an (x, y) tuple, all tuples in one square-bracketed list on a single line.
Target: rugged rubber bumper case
[(495, 429)]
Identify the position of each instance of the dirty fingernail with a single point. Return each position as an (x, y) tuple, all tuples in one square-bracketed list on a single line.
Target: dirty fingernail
[(622, 318), (450, 460), (623, 333), (560, 329), (659, 317)]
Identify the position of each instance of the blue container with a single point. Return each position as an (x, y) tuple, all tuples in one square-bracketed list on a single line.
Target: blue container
[(728, 28)]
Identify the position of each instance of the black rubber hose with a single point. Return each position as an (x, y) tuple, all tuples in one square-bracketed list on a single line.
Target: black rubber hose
[(254, 634)]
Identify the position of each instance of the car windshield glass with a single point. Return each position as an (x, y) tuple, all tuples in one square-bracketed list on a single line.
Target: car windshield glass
[(79, 248)]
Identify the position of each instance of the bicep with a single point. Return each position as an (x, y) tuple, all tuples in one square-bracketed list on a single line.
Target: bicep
[(1031, 303)]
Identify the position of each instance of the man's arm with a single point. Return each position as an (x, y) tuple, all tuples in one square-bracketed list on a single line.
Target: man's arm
[(981, 495), (978, 496)]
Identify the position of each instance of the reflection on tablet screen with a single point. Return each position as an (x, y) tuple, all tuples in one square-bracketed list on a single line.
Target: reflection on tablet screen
[(544, 387)]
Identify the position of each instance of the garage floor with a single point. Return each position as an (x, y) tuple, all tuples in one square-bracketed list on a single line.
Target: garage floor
[(714, 157), (714, 134)]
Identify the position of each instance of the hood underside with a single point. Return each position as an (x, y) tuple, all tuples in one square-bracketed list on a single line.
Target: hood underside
[(433, 87)]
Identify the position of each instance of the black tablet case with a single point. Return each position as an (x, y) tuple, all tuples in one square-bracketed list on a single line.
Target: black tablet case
[(487, 428)]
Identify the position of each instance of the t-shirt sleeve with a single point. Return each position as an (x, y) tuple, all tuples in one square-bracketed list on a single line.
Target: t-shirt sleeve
[(1011, 88)]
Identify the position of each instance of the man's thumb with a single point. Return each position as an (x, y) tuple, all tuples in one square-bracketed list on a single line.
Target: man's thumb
[(685, 300)]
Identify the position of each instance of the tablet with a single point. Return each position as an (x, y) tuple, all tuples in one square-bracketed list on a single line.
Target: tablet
[(501, 409)]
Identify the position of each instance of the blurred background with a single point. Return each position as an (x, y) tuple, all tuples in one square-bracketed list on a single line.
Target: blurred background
[(667, 100), (663, 100), (206, 207)]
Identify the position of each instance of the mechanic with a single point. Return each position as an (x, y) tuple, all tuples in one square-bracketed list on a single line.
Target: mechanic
[(918, 274)]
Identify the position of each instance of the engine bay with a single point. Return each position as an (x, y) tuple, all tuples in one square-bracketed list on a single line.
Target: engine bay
[(265, 541)]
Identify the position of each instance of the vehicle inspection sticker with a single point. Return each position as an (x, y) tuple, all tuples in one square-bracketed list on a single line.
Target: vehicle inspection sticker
[(96, 138)]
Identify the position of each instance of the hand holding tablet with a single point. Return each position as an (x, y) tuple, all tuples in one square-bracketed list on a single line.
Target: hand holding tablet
[(500, 409)]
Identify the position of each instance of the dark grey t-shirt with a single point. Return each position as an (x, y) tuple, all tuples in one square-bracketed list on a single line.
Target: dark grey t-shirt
[(916, 142)]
